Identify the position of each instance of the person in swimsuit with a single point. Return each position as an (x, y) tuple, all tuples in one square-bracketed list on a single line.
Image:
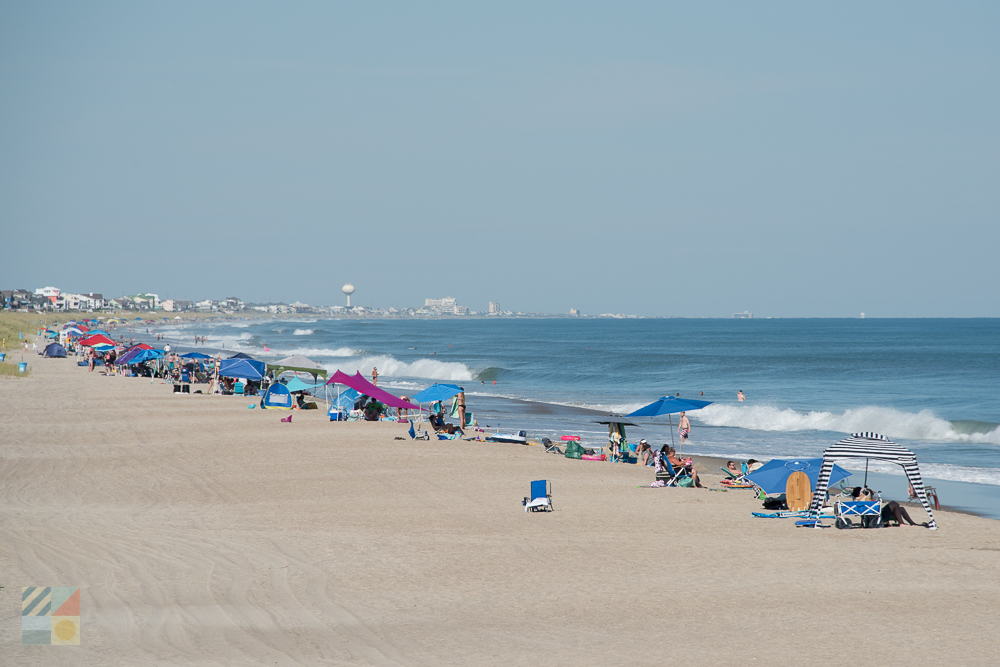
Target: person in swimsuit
[(374, 376), (684, 427), (461, 409)]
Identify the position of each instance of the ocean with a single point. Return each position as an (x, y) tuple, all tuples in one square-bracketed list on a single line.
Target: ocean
[(932, 385)]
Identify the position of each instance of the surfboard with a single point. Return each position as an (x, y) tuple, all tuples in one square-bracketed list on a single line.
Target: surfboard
[(798, 491)]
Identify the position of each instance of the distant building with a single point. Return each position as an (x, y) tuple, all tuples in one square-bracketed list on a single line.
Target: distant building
[(745, 315), (445, 306), (50, 293), (494, 308), (574, 312)]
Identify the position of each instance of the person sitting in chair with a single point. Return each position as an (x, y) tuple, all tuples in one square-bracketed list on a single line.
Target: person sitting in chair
[(681, 465)]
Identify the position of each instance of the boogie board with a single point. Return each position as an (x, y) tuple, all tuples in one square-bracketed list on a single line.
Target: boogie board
[(798, 491), (574, 438)]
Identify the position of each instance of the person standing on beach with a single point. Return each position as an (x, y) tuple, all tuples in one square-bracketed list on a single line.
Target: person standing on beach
[(684, 427), (740, 396), (461, 408), (374, 375)]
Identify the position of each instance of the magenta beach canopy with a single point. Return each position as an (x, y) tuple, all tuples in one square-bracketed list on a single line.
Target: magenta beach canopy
[(365, 387)]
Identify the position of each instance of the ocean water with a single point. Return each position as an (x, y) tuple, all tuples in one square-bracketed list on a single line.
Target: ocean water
[(932, 385)]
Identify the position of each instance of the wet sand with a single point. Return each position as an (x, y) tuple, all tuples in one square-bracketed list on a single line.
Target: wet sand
[(204, 533)]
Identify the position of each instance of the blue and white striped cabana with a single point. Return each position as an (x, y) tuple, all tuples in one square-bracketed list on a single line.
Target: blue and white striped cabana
[(869, 446)]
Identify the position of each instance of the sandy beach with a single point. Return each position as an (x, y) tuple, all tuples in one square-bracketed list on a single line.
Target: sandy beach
[(204, 533)]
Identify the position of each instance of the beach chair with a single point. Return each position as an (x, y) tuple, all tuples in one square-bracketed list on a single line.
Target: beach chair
[(413, 433), (672, 477), (238, 388), (550, 447), (470, 420), (541, 497)]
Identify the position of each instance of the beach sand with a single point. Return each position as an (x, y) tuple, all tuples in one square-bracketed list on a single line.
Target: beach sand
[(204, 533)]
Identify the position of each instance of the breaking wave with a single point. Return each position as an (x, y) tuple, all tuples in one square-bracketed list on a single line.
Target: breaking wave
[(392, 367), (316, 353), (303, 332), (923, 425)]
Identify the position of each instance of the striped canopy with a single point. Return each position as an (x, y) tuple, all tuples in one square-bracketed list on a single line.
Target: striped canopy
[(869, 446)]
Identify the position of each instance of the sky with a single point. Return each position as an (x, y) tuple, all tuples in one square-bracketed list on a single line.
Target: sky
[(661, 159)]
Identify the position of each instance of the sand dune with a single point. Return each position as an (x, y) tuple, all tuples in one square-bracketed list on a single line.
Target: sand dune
[(204, 533)]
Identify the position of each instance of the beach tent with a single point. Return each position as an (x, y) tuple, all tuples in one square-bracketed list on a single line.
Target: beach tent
[(54, 350), (240, 355), (142, 356), (297, 364), (250, 369), (344, 402), (277, 398), (874, 447), (367, 388), (295, 384), (436, 392), (195, 355), (98, 339)]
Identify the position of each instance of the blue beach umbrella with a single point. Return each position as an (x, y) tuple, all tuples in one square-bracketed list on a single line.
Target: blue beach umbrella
[(668, 405), (773, 475), (436, 392)]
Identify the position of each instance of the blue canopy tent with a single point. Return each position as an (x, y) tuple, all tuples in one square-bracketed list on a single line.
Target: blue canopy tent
[(54, 350), (250, 369), (773, 475), (241, 355), (145, 355), (667, 405), (343, 404), (277, 397), (195, 355)]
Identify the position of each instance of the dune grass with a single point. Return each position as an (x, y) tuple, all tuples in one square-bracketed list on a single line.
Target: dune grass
[(8, 369)]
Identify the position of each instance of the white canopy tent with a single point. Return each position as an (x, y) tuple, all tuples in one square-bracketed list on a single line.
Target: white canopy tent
[(874, 447)]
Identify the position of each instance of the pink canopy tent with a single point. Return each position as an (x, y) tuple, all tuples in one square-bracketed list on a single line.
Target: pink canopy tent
[(367, 388)]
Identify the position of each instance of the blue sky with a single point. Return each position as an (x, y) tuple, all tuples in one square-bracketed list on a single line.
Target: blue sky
[(688, 159)]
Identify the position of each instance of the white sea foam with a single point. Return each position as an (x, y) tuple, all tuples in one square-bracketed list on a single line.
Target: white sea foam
[(303, 332), (392, 367), (314, 353), (944, 471), (923, 425)]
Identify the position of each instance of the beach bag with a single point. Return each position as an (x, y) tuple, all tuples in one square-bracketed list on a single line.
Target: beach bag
[(686, 482), (573, 450)]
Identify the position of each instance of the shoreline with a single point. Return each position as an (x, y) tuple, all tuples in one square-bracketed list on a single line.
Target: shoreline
[(201, 532)]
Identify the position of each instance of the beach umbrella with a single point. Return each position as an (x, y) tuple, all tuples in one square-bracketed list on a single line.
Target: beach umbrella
[(90, 341), (436, 392), (668, 405), (773, 475)]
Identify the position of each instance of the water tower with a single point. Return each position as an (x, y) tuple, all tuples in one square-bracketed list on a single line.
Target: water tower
[(348, 289)]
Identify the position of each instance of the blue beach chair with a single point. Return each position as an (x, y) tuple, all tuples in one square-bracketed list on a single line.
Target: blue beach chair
[(541, 497)]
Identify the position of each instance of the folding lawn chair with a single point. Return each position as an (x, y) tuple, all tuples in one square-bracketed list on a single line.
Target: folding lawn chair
[(550, 447), (541, 497), (238, 388)]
